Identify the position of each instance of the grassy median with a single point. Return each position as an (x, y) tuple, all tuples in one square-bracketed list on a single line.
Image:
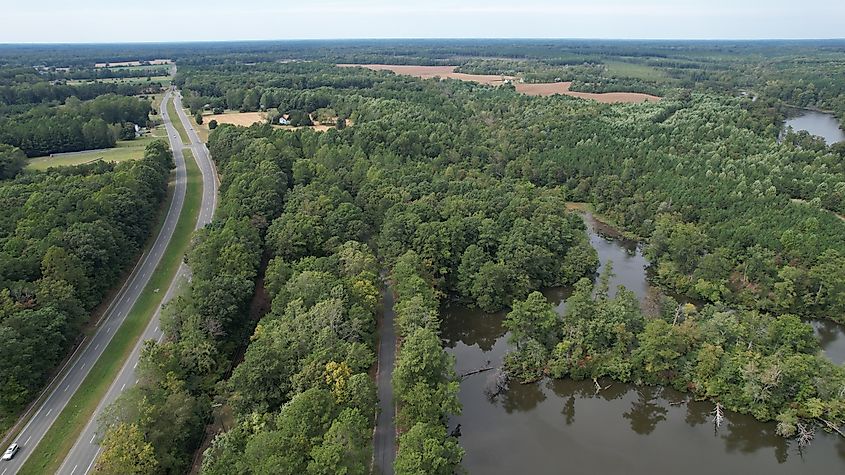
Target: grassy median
[(54, 447), (177, 122)]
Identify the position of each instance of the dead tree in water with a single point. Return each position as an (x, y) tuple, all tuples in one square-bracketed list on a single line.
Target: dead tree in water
[(481, 370), (598, 386), (805, 435), (718, 415), (832, 426), (497, 383)]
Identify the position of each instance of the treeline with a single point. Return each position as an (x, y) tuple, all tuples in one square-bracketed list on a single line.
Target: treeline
[(76, 125), (731, 216), (768, 366), (163, 418), (66, 236), (424, 379), (46, 92), (302, 397)]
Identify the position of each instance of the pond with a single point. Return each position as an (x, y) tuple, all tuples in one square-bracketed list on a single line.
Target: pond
[(817, 123), (563, 426)]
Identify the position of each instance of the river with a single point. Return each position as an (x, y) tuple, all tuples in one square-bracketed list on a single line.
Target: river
[(562, 426), (817, 123)]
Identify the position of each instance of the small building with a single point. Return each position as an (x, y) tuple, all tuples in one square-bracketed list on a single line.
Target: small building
[(284, 119)]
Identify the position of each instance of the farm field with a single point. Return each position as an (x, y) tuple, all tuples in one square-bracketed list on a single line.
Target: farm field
[(549, 89), (235, 118), (165, 80), (530, 89), (429, 72), (120, 64)]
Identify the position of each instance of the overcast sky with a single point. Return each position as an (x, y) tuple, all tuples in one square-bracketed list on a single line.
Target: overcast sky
[(49, 21)]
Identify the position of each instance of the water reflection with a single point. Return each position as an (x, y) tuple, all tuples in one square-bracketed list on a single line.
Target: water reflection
[(823, 125), (564, 426)]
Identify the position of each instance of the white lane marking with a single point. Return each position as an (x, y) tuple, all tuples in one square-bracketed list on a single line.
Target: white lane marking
[(93, 437), (96, 346), (124, 385), (160, 337), (136, 381), (74, 469), (156, 330), (93, 460), (48, 412), (66, 388), (27, 440), (4, 471), (135, 365)]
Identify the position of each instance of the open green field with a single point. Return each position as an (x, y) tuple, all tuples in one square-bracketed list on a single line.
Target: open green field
[(51, 451), (171, 109), (124, 150), (632, 70)]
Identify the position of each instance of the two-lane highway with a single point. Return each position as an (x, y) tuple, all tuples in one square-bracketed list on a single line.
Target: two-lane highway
[(66, 384), (84, 453)]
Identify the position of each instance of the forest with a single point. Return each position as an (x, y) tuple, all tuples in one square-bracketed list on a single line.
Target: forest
[(66, 237), (455, 193)]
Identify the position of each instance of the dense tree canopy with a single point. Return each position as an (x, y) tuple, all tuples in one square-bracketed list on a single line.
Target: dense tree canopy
[(66, 237)]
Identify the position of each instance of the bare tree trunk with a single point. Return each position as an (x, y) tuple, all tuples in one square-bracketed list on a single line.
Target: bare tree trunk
[(832, 426), (470, 373), (718, 415)]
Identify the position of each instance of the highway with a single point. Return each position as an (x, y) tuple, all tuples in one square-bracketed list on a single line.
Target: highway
[(71, 376), (81, 458)]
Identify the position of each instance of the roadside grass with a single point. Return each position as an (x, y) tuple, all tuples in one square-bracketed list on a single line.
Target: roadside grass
[(47, 457), (123, 150), (201, 130), (177, 122)]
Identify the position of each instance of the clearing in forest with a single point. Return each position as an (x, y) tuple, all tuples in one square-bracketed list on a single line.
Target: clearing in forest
[(236, 118), (530, 89)]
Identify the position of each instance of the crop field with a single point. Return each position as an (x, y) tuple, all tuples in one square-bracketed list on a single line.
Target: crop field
[(235, 118), (530, 89), (549, 89), (165, 80), (429, 72), (123, 64)]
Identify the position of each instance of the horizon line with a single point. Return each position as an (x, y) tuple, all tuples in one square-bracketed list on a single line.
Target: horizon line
[(443, 38)]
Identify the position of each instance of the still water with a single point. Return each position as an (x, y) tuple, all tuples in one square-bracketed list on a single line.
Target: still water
[(562, 426), (817, 123)]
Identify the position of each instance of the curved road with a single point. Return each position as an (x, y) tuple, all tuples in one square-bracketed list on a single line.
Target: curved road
[(69, 379), (81, 458)]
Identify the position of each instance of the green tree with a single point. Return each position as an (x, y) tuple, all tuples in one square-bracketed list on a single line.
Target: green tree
[(125, 452)]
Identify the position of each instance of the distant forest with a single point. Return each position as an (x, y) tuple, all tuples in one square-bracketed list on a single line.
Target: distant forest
[(456, 193)]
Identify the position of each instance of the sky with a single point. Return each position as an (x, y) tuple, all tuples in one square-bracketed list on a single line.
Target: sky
[(101, 21)]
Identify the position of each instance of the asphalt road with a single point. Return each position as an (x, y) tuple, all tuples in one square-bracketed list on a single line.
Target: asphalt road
[(384, 443), (69, 379), (81, 458)]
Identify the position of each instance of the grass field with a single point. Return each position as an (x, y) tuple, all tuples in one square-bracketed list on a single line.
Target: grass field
[(636, 71), (202, 130), (124, 150), (51, 451), (171, 110)]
